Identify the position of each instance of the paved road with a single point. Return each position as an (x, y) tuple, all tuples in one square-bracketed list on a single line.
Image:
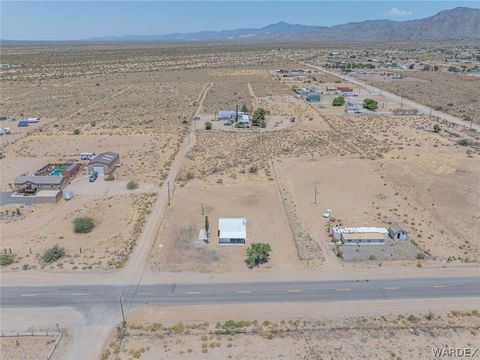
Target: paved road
[(422, 109), (178, 294)]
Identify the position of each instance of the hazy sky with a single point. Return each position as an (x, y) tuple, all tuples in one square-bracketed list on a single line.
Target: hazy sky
[(73, 20)]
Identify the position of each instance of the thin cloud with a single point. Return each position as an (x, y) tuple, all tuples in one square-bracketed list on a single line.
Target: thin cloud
[(397, 12)]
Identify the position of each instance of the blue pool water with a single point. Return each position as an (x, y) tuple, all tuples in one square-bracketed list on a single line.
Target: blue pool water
[(56, 172)]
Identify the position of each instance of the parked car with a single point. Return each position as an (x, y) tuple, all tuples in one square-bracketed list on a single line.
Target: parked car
[(6, 131), (327, 213), (87, 155), (93, 176)]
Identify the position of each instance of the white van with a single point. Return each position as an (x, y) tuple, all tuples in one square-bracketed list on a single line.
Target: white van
[(87, 155)]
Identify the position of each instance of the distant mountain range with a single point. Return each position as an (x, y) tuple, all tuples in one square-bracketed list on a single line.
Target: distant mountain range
[(460, 23)]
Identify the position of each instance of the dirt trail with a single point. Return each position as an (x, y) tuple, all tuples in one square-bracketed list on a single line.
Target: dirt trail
[(135, 267)]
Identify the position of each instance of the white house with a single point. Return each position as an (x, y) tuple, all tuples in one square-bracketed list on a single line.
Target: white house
[(232, 231), (397, 232), (244, 121)]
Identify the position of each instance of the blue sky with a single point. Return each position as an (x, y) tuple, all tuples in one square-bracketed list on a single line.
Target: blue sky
[(74, 20)]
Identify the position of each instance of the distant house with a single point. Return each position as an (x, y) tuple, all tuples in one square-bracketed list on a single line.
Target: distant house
[(33, 120), (353, 107), (366, 238), (397, 232), (313, 98), (104, 163), (232, 231), (244, 121), (23, 123), (35, 183), (229, 115)]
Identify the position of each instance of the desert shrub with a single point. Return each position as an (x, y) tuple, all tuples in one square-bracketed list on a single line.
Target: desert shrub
[(83, 224), (109, 177), (132, 185), (370, 104), (464, 142), (93, 123), (437, 128), (338, 101), (258, 253), (208, 125), (253, 169), (76, 132), (244, 109), (178, 328), (53, 254), (7, 259), (420, 256)]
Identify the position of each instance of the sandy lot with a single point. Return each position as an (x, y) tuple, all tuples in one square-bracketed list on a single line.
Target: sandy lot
[(177, 247), (394, 333)]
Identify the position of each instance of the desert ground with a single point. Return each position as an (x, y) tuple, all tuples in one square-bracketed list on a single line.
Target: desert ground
[(379, 334), (140, 100)]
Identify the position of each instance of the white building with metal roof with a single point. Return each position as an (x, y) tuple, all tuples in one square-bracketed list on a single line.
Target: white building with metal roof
[(232, 231)]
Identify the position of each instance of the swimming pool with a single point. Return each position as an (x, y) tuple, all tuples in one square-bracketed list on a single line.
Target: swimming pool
[(56, 172)]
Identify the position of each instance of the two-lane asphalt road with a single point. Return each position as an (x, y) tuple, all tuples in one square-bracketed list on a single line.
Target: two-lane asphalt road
[(225, 293)]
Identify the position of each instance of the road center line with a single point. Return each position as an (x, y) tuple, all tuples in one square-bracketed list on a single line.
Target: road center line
[(144, 293), (392, 288), (293, 291), (244, 291), (194, 292), (343, 289), (439, 286), (79, 294), (28, 295)]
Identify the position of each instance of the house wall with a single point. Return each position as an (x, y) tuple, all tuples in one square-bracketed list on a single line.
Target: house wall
[(225, 241)]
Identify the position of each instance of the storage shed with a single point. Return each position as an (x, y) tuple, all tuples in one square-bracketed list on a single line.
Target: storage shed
[(397, 232), (104, 163), (232, 231)]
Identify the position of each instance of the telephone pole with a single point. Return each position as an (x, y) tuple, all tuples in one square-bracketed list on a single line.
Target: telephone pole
[(124, 323), (168, 191)]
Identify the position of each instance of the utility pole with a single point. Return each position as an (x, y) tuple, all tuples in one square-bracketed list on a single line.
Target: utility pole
[(168, 191), (471, 121), (124, 323), (203, 211)]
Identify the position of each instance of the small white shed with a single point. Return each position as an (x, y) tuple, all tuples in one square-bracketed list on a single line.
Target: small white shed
[(232, 231)]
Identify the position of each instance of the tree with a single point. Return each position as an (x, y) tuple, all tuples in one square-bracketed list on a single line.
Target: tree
[(370, 104), (411, 66), (53, 254), (208, 125), (258, 116), (338, 101), (76, 132), (83, 224), (132, 185), (207, 226), (257, 253), (244, 109), (436, 128)]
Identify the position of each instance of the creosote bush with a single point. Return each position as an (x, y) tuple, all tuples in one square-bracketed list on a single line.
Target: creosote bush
[(132, 185), (7, 259), (53, 254), (83, 224)]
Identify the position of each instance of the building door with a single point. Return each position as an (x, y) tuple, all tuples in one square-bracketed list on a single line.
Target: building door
[(99, 170)]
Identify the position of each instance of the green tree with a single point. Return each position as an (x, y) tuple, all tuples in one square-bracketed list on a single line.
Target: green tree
[(436, 128), (258, 116), (257, 253), (208, 125), (53, 254), (83, 224), (338, 101), (244, 108), (76, 132), (207, 225), (370, 104)]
